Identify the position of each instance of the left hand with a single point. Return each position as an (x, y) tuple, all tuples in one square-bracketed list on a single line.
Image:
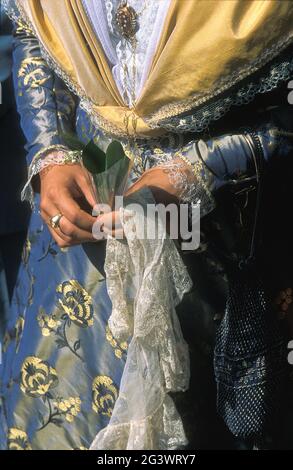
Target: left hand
[(156, 179)]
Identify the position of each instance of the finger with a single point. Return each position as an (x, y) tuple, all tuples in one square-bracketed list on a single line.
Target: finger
[(98, 230), (61, 242), (73, 232), (108, 224), (146, 179), (48, 210), (110, 221), (137, 185), (68, 207), (100, 209), (66, 231)]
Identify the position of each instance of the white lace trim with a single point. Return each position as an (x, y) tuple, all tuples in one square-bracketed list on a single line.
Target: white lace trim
[(53, 155), (151, 23), (151, 16), (146, 279), (212, 109), (193, 184)]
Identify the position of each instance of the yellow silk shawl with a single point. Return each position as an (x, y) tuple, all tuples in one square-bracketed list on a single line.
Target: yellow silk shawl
[(206, 47)]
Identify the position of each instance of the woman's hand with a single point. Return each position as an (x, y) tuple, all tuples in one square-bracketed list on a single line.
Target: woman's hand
[(156, 179), (65, 190)]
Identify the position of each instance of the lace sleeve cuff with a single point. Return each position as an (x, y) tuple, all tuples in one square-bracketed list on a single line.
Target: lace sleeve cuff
[(212, 164), (192, 179), (53, 155)]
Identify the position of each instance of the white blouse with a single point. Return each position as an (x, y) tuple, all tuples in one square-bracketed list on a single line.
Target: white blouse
[(119, 52)]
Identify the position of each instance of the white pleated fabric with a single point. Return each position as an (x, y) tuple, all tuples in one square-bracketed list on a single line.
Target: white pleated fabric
[(151, 16)]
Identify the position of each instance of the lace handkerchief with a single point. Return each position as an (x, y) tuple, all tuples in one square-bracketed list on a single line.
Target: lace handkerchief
[(146, 279)]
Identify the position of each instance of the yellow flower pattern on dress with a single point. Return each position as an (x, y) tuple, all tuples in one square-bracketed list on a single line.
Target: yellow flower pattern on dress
[(76, 303), (18, 440), (119, 348), (47, 323), (22, 27), (31, 74), (37, 377), (104, 395), (69, 408)]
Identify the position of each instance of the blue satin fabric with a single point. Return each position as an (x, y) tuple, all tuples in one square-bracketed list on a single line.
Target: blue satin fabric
[(61, 366)]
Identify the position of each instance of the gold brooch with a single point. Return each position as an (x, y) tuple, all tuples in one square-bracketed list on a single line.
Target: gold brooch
[(127, 20)]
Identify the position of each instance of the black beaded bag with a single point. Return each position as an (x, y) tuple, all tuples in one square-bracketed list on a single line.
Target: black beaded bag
[(250, 357), (250, 360)]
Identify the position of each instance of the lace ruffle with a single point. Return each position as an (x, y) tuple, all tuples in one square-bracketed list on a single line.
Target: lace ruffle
[(199, 120), (193, 183), (169, 433), (124, 50), (146, 279), (54, 155)]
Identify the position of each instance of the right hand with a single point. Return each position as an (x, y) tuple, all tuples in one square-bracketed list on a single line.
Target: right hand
[(66, 189)]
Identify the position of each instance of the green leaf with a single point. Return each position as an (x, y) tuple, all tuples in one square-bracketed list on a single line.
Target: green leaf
[(72, 141), (114, 153), (102, 188), (94, 159)]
